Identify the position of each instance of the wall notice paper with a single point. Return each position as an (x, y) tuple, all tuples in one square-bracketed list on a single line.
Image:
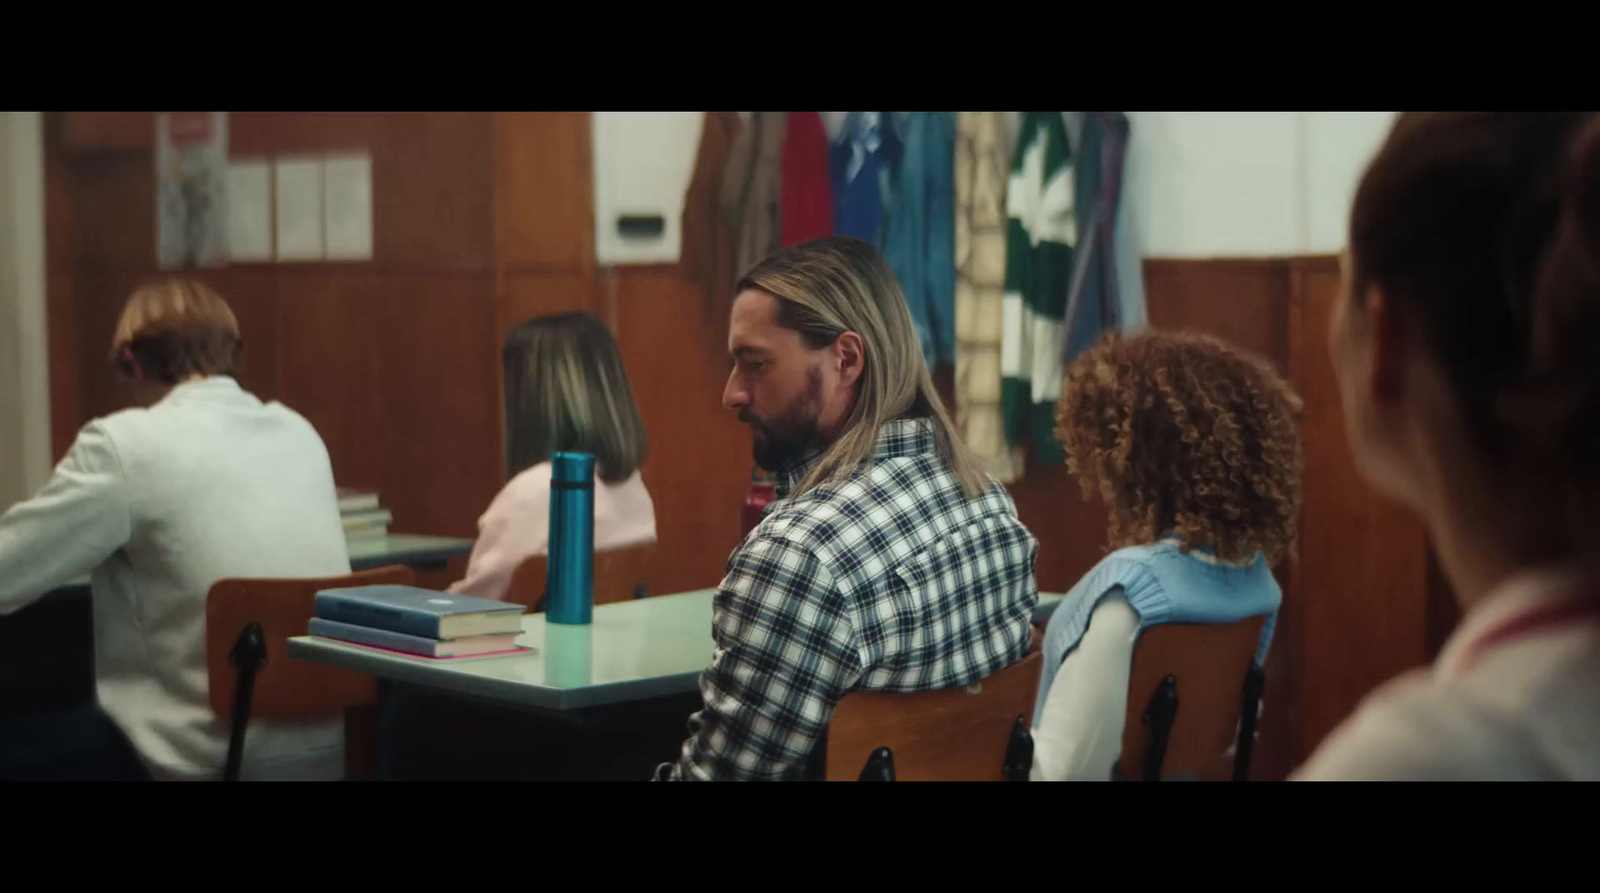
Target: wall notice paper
[(191, 189), (250, 211), (347, 207), (298, 190)]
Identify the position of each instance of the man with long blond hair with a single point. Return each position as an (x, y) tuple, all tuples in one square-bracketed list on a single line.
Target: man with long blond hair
[(890, 561), (204, 482)]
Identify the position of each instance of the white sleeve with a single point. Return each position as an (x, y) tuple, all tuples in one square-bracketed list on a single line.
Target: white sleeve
[(1079, 735), (77, 521), (514, 529)]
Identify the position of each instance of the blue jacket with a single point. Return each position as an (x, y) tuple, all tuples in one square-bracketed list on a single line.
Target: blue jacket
[(920, 232), (860, 162)]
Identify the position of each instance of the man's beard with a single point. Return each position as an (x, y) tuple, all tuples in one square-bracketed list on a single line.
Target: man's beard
[(781, 439)]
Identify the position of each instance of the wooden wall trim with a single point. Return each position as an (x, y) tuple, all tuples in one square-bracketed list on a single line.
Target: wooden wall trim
[(89, 133)]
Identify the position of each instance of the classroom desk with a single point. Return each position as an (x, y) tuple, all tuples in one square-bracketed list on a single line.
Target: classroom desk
[(632, 651)]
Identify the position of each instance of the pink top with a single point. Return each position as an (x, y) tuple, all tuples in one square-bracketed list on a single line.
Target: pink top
[(517, 527)]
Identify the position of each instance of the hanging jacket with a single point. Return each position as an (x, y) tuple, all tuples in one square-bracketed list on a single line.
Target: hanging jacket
[(707, 257), (752, 187), (981, 169), (1094, 301), (1040, 235), (806, 206), (919, 232), (1127, 255), (860, 163)]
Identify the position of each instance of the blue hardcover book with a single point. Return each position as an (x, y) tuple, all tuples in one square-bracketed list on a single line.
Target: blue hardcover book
[(419, 612), (468, 646)]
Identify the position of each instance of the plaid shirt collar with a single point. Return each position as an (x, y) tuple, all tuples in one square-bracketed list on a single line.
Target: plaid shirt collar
[(896, 439)]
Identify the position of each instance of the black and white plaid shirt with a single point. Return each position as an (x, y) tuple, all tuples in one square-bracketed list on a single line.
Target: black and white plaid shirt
[(884, 579)]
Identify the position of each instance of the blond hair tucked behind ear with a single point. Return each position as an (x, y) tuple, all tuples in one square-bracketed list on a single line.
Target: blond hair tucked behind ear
[(826, 287)]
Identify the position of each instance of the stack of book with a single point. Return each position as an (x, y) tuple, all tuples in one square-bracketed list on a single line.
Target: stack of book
[(363, 517), (418, 621)]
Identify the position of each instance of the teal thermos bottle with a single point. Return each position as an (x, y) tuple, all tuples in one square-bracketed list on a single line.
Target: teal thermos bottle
[(570, 581)]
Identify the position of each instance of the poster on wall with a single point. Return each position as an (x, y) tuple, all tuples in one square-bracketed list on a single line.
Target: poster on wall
[(297, 184), (347, 207), (250, 211), (191, 189)]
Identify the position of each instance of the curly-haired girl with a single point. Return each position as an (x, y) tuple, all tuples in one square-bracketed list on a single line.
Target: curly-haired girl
[(1194, 447)]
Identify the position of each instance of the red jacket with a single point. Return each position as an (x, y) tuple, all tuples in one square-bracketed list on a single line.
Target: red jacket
[(807, 198)]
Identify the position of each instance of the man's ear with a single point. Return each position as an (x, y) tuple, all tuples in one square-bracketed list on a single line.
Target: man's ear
[(850, 356)]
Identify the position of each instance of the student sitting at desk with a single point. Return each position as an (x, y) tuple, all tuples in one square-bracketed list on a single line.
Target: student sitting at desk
[(1193, 445), (204, 483), (890, 562), (566, 391)]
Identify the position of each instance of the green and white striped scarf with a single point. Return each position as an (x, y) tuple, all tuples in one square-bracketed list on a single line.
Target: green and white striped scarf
[(1041, 231)]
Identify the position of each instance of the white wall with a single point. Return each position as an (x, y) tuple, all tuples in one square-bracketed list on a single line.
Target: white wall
[(1209, 183), (1197, 184), (24, 364), (1245, 184), (1339, 145)]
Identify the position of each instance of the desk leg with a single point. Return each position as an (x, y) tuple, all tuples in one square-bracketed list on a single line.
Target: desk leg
[(388, 722)]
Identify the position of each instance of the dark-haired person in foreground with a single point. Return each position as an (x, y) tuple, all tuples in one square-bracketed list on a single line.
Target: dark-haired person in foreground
[(1467, 345), (159, 503)]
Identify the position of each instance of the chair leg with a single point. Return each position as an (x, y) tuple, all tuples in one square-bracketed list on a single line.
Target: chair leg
[(879, 767), (1159, 716), (248, 654), (1249, 712), (1019, 753)]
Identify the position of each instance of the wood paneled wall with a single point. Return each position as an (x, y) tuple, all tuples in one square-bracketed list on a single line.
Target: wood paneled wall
[(1363, 586), (391, 359), (1360, 602), (484, 220)]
